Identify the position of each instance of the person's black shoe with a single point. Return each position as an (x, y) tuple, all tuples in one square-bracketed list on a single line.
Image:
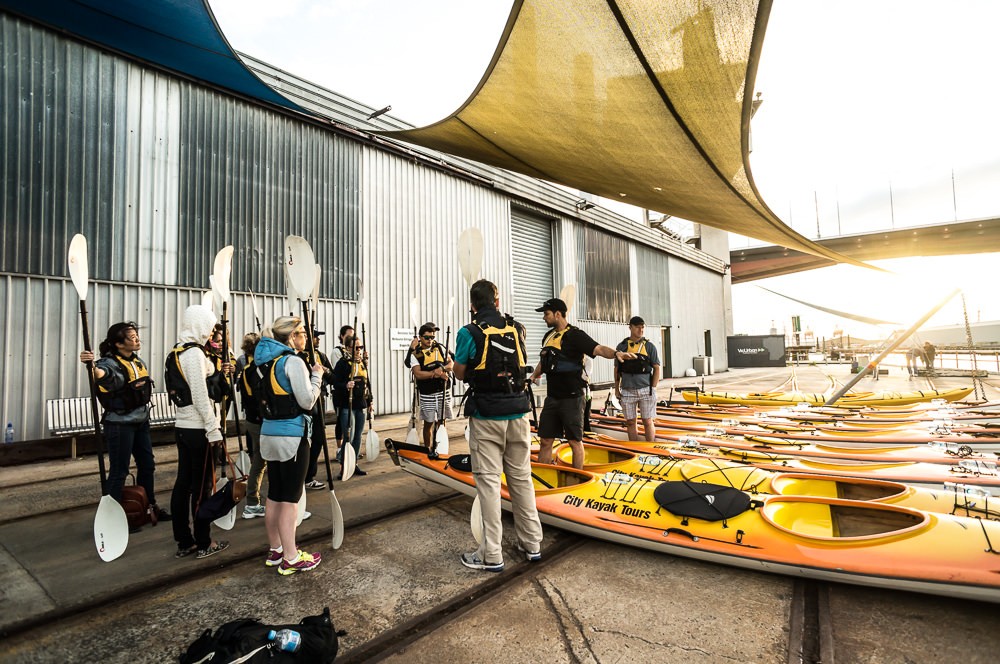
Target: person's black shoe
[(433, 455), (162, 514), (359, 472)]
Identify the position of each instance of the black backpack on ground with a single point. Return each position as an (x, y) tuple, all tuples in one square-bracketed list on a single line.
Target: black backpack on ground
[(246, 641)]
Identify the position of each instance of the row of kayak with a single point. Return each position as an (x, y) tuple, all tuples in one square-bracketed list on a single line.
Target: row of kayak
[(851, 399), (828, 527)]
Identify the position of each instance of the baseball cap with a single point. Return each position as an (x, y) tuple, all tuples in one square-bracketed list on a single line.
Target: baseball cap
[(553, 304), (428, 327), (636, 320)]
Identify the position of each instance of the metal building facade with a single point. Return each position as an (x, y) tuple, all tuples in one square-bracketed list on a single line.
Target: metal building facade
[(159, 173)]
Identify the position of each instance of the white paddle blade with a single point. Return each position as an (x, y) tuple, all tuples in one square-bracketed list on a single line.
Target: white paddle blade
[(315, 291), (79, 270), (337, 518), (441, 440), (110, 527), (470, 254), (217, 298), (413, 313), (300, 263), (350, 461), (568, 295), (228, 520), (359, 312), (466, 432), (451, 309), (300, 509), (411, 437), (222, 268), (372, 445), (242, 463), (207, 299), (476, 520)]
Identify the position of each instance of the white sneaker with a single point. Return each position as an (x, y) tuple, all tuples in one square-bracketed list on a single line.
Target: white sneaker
[(306, 515), (253, 511)]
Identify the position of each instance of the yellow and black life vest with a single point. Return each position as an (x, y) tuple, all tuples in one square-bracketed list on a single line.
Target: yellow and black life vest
[(135, 393), (276, 401), (642, 363), (430, 359), (498, 367), (553, 358), (177, 386)]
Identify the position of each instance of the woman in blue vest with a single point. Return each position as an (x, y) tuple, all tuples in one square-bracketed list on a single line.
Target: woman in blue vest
[(124, 389), (288, 391)]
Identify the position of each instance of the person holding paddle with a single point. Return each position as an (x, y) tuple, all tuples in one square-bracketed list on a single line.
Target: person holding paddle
[(288, 390), (490, 357), (188, 372), (431, 373), (124, 390), (318, 413), (350, 395)]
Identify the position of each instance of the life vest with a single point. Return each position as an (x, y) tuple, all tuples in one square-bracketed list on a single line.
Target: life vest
[(430, 359), (249, 386), (276, 400), (497, 375), (642, 363), (552, 357), (177, 386), (135, 393)]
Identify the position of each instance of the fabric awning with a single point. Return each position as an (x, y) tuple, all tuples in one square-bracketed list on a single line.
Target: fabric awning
[(647, 102)]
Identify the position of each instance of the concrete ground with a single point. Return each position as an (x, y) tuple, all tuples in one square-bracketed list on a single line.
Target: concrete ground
[(398, 589)]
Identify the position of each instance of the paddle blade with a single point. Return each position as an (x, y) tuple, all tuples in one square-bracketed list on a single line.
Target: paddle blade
[(350, 461), (217, 298), (372, 446), (300, 263), (228, 520), (243, 463), (476, 520), (207, 299), (413, 313), (451, 308), (441, 440), (78, 267), (470, 254), (300, 508), (222, 268), (315, 291), (110, 527), (568, 295), (337, 519), (411, 437)]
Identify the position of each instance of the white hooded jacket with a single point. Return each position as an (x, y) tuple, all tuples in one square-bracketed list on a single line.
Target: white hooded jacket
[(196, 326)]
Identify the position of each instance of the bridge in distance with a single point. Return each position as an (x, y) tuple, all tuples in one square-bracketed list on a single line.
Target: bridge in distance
[(975, 236)]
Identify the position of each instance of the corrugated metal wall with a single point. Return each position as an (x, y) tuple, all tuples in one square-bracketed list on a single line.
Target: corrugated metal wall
[(160, 173), (698, 305), (412, 217), (653, 272)]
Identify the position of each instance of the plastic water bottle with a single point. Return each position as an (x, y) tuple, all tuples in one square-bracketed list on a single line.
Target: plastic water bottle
[(8, 436), (287, 640)]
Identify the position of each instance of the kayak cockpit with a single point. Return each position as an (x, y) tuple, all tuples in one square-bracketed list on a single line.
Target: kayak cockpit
[(840, 520), (553, 478), (788, 484)]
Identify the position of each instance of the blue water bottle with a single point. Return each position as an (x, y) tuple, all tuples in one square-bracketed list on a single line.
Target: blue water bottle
[(286, 640), (8, 436)]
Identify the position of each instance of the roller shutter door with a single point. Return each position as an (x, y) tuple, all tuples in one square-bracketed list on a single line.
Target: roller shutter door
[(531, 261)]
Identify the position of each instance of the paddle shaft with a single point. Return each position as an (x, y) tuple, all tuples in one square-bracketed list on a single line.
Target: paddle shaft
[(368, 372), (95, 414), (444, 388)]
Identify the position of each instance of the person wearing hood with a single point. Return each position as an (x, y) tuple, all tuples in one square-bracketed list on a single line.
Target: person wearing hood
[(188, 373), (288, 391)]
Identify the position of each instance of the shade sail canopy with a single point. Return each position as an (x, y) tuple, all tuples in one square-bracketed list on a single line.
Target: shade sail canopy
[(836, 312), (643, 101), (180, 35)]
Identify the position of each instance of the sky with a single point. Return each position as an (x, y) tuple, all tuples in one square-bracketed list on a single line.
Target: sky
[(876, 115)]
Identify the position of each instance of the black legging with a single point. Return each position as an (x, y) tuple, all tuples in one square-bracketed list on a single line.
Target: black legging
[(318, 436), (194, 481)]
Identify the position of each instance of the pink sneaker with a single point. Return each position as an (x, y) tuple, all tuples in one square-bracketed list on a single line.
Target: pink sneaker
[(303, 563), (274, 558)]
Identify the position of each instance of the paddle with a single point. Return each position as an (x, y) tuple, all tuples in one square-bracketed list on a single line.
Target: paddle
[(372, 442), (441, 435), (256, 312), (411, 435), (476, 520), (568, 295), (110, 522), (302, 277)]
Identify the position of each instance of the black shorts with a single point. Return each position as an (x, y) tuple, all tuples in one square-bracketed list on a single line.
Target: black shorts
[(562, 418), (285, 479)]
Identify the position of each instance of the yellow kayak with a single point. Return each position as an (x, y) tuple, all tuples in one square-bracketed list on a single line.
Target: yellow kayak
[(884, 398)]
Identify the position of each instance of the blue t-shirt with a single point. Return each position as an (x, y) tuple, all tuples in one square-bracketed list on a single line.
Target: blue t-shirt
[(465, 352)]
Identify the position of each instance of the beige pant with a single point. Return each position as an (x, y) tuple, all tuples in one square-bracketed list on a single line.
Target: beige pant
[(503, 446)]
